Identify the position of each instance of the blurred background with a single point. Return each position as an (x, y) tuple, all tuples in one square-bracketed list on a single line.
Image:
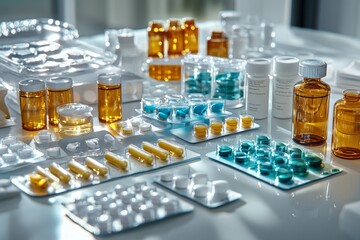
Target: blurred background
[(94, 16)]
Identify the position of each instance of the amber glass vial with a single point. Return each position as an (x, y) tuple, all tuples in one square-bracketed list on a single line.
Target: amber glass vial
[(175, 38), (346, 126), (32, 94), (311, 98), (167, 69), (109, 97), (156, 39), (217, 44), (59, 92), (191, 36)]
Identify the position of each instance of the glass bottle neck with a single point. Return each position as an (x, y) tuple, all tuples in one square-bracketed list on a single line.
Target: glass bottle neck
[(312, 79), (352, 95)]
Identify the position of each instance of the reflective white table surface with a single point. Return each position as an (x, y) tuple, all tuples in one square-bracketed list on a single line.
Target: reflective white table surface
[(264, 212)]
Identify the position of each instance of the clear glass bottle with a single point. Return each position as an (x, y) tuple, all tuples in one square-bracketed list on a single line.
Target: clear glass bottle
[(59, 92), (228, 19), (346, 126), (257, 89), (217, 44), (156, 39), (286, 74), (311, 98), (32, 94), (109, 97), (175, 38), (238, 42), (191, 36)]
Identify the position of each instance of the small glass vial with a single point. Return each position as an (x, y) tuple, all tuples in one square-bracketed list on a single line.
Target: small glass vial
[(258, 82), (175, 38), (286, 74), (267, 36), (191, 36), (228, 19), (346, 129), (156, 39), (59, 92), (109, 97), (32, 94), (311, 98), (217, 44), (239, 42), (75, 119)]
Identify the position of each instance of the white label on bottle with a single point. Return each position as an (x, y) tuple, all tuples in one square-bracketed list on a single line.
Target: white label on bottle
[(282, 97), (257, 101)]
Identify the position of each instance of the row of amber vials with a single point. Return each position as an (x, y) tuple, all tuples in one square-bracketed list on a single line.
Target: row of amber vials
[(180, 38)]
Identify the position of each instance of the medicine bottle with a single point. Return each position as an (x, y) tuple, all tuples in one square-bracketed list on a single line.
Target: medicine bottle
[(257, 91), (346, 129), (217, 44), (32, 94), (175, 38), (156, 39), (228, 19), (286, 74), (109, 97), (191, 36), (59, 92), (311, 98)]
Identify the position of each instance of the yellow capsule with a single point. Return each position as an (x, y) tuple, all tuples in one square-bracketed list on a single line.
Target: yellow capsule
[(231, 123), (246, 121), (80, 169), (39, 181), (200, 130), (157, 151), (60, 172), (140, 154), (96, 166), (41, 171), (216, 126), (116, 160), (171, 147)]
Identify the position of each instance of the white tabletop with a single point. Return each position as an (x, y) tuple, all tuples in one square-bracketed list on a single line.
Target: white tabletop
[(264, 212)]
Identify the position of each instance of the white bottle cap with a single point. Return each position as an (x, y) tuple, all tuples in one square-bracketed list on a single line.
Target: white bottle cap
[(286, 66), (31, 85), (59, 83), (258, 67), (312, 68), (109, 79)]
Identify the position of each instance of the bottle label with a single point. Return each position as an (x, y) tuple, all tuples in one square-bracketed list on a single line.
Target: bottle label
[(282, 98), (257, 101)]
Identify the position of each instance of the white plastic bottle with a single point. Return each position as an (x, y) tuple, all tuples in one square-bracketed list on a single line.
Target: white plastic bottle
[(258, 83), (286, 74)]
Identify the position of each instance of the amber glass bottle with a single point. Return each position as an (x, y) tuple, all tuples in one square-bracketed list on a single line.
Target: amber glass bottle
[(175, 38), (346, 126), (191, 36), (217, 44), (311, 98), (156, 39)]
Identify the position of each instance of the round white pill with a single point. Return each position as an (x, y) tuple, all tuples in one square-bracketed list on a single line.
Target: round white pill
[(104, 223), (53, 152), (98, 195), (167, 177), (220, 188), (92, 143), (113, 210), (127, 219), (93, 212), (3, 150), (156, 198), (108, 138), (126, 197), (145, 127), (148, 213), (105, 202), (139, 185), (181, 182), (146, 191), (135, 122), (24, 152), (73, 147), (136, 204), (200, 190), (9, 158), (119, 189), (171, 206), (199, 178)]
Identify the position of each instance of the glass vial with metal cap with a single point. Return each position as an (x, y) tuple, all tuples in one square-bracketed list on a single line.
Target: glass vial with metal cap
[(32, 95), (191, 36), (109, 97), (311, 97), (286, 74), (59, 92), (218, 44), (175, 38), (257, 89), (346, 126), (156, 39)]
